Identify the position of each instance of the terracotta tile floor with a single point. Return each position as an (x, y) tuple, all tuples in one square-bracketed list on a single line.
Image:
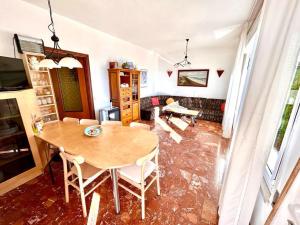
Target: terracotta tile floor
[(190, 182)]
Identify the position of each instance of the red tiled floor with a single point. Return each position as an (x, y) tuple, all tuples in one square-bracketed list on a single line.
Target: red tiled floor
[(190, 181)]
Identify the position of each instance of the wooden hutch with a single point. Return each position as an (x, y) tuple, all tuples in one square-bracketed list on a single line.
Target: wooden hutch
[(125, 93)]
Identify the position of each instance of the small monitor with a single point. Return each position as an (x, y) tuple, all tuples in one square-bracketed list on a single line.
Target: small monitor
[(12, 74)]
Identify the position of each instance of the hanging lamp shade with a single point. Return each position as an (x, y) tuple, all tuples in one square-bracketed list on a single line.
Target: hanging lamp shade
[(69, 62), (48, 63), (53, 59)]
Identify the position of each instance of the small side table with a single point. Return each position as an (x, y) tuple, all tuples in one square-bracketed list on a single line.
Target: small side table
[(109, 113)]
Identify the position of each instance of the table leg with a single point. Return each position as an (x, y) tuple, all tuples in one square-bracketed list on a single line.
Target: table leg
[(114, 178), (47, 153), (169, 117), (193, 121)]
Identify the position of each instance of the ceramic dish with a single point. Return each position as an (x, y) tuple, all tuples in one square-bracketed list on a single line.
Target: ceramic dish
[(93, 131)]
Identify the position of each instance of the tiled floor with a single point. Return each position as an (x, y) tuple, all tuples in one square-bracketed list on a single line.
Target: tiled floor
[(190, 182)]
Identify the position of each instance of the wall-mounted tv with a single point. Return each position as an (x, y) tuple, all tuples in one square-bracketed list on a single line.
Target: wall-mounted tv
[(12, 74)]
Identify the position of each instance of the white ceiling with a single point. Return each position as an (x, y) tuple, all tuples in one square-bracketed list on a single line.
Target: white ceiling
[(160, 25)]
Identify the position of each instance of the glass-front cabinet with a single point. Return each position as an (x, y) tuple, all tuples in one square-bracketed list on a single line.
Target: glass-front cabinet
[(135, 87), (15, 152), (125, 93), (135, 84)]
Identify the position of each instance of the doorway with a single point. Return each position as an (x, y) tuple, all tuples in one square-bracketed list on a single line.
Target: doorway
[(72, 87)]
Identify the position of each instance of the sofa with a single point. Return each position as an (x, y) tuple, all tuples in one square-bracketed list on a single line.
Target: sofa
[(211, 108)]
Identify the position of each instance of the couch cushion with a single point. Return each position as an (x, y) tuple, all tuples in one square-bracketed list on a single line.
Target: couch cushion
[(214, 104), (163, 99), (196, 103), (212, 112), (185, 102), (145, 102)]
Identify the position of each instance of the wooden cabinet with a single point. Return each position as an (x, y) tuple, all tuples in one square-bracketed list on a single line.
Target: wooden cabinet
[(20, 116), (125, 93)]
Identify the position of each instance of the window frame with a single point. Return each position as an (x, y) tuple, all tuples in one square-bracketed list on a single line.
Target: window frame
[(271, 179)]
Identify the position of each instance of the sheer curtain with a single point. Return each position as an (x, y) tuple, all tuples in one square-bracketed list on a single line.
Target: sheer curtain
[(272, 70), (233, 89)]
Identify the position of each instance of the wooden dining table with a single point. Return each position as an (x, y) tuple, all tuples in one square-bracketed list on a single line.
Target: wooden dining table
[(115, 147)]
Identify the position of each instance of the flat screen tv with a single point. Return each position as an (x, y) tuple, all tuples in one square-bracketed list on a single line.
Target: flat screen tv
[(12, 74)]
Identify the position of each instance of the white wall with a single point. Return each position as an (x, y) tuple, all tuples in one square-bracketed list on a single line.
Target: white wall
[(208, 58), (23, 18)]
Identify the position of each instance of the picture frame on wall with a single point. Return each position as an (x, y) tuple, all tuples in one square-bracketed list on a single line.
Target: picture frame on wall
[(144, 78), (193, 78)]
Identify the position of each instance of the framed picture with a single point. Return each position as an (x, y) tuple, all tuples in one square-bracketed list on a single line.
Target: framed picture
[(193, 78), (144, 78)]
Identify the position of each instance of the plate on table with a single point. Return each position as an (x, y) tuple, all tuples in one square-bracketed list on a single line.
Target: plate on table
[(93, 131)]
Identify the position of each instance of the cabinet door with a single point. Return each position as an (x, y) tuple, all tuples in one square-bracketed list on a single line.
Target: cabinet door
[(135, 111), (135, 87), (114, 86)]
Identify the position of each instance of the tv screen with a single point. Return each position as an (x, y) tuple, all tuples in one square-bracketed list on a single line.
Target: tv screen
[(12, 74)]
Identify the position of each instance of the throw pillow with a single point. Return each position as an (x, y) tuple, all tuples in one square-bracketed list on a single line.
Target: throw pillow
[(223, 107), (155, 101)]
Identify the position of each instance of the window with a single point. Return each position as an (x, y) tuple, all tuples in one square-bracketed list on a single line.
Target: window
[(285, 127)]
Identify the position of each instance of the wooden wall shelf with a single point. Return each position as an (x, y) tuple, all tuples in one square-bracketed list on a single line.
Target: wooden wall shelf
[(42, 84)]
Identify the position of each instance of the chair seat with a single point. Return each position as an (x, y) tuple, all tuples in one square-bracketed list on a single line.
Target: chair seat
[(87, 170), (133, 172)]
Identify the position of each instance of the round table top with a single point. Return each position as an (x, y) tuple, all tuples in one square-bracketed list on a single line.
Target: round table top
[(115, 147)]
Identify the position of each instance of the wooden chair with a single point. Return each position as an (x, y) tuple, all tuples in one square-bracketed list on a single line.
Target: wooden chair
[(54, 151), (71, 120), (111, 123), (137, 174), (139, 125), (94, 209), (79, 172), (89, 122)]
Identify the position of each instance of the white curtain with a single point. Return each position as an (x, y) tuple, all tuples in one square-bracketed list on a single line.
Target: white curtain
[(233, 89), (272, 71)]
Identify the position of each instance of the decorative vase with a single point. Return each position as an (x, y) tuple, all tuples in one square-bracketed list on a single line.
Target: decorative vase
[(113, 65)]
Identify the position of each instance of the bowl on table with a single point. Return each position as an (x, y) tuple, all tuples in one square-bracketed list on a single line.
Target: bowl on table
[(93, 131)]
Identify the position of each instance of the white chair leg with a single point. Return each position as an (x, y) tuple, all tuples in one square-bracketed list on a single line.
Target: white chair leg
[(67, 192), (157, 182), (83, 203), (143, 205)]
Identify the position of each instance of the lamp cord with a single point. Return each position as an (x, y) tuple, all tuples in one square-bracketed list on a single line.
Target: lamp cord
[(54, 38), (186, 48), (51, 25)]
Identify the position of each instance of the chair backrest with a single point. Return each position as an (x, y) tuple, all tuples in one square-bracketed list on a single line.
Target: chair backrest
[(139, 125), (111, 122), (71, 120), (94, 209), (89, 122), (156, 112), (69, 159), (150, 156)]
